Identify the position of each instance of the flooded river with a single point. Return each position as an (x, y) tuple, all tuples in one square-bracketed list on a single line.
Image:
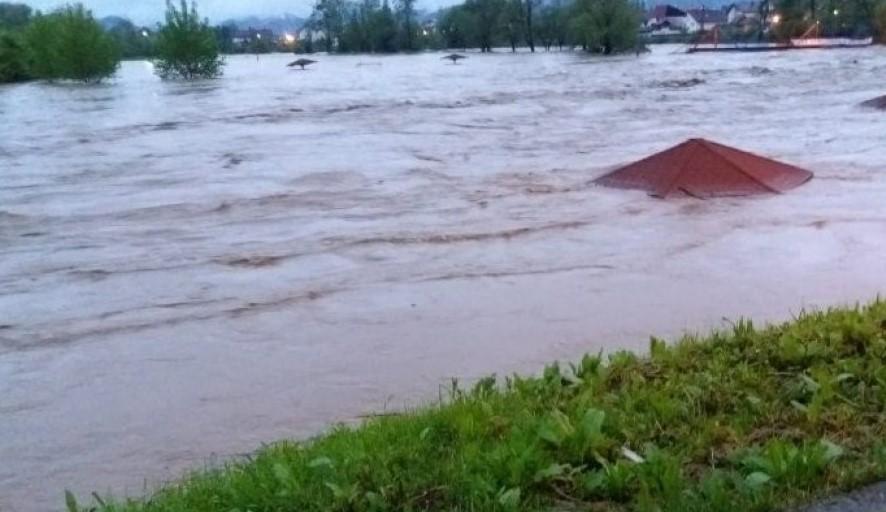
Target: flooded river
[(189, 270)]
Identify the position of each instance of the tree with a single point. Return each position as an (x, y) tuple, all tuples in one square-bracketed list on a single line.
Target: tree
[(69, 44), (512, 22), (406, 12), (328, 16), (132, 41), (14, 16), (607, 26), (259, 44), (385, 33), (880, 22), (12, 59), (763, 10), (793, 20), (352, 35), (486, 14), (530, 29), (553, 24), (186, 46), (224, 38), (457, 26)]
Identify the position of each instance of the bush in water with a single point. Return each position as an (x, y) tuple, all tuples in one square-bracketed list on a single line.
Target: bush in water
[(186, 46), (69, 44), (12, 59), (606, 26)]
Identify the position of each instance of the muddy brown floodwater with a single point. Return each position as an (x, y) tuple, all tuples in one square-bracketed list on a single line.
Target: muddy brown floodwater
[(189, 270)]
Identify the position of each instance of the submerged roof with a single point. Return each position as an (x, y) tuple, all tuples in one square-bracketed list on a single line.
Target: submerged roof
[(879, 103), (702, 168)]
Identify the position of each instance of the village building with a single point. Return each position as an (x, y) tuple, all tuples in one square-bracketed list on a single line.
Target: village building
[(709, 19), (244, 37), (668, 19)]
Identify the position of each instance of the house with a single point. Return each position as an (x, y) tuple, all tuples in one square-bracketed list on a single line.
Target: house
[(242, 37), (745, 16), (746, 12), (668, 19), (737, 12), (709, 19), (311, 34)]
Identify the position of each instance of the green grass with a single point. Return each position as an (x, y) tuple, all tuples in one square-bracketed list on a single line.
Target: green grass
[(745, 420)]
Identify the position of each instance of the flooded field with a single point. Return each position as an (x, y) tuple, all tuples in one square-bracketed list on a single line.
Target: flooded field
[(189, 270)]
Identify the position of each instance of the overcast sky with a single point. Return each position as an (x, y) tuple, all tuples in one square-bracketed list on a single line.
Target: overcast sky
[(151, 11)]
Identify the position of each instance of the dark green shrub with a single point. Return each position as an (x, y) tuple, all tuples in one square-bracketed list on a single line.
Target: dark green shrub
[(186, 46), (69, 44), (12, 59), (606, 26)]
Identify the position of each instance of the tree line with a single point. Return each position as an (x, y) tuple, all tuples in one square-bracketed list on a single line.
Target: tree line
[(844, 18), (70, 44), (602, 26), (597, 26)]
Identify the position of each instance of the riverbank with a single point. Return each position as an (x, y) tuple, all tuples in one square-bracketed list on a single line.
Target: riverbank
[(163, 306), (744, 420)]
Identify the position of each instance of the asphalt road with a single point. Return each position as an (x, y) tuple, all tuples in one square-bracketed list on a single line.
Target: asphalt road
[(868, 499)]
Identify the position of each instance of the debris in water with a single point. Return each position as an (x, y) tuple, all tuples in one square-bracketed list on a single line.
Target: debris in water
[(253, 261), (759, 71), (877, 103), (679, 83), (301, 62), (455, 57)]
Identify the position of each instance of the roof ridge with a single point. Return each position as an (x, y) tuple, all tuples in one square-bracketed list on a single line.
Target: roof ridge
[(716, 149), (692, 144)]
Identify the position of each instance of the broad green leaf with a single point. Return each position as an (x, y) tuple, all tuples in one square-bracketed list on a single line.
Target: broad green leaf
[(594, 481), (810, 383), (337, 491), (510, 499), (556, 428), (757, 479), (573, 379), (592, 423), (374, 499), (282, 473), (800, 407), (554, 470), (98, 499), (320, 462), (832, 451), (71, 501)]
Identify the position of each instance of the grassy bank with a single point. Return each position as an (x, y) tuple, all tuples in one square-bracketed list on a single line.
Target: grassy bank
[(746, 420)]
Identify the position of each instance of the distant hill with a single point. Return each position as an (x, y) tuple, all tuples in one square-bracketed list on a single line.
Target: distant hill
[(276, 24), (112, 22)]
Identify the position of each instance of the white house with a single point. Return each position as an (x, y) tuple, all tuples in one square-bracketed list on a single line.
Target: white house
[(667, 19), (709, 19), (307, 33), (748, 13)]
